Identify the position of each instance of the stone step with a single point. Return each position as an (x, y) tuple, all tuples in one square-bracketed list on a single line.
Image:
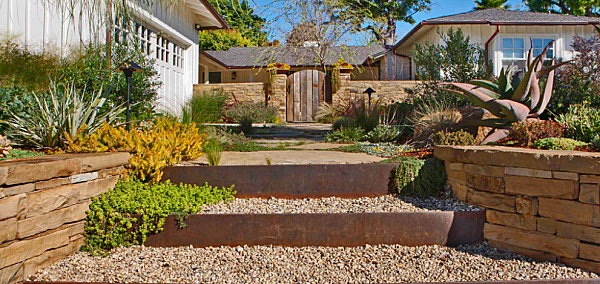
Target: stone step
[(290, 181), (328, 229)]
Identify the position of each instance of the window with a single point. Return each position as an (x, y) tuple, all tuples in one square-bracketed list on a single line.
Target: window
[(513, 48), (143, 38), (539, 44), (162, 49), (177, 56)]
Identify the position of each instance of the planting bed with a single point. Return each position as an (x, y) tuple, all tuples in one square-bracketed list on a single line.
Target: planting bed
[(386, 203), (272, 264)]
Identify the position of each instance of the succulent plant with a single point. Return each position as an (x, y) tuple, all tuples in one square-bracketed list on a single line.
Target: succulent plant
[(511, 98)]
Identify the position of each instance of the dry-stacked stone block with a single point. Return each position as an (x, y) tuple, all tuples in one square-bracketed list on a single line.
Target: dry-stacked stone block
[(542, 204), (43, 204)]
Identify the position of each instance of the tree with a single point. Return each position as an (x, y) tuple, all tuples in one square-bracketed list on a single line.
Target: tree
[(241, 17), (457, 59), (571, 7), (314, 21), (380, 17), (222, 40), (486, 4), (303, 33)]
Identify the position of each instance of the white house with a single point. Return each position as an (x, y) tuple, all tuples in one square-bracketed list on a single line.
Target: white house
[(170, 35), (504, 34)]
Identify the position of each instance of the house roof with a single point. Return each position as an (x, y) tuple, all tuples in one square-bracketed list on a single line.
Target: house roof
[(249, 57), (208, 15), (510, 17), (502, 17)]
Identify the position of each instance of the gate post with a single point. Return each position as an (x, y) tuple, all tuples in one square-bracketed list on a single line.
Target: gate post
[(278, 99)]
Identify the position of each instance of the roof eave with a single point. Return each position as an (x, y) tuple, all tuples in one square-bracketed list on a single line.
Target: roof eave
[(421, 24), (215, 14)]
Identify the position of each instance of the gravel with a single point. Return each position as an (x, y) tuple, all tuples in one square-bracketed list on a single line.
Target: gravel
[(269, 264), (387, 203)]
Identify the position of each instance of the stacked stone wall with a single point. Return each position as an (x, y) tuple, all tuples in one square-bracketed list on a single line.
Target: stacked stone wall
[(43, 204), (542, 204)]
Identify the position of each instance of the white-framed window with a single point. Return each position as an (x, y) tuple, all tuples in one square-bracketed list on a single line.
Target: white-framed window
[(539, 44), (177, 56), (162, 49), (144, 38), (515, 48)]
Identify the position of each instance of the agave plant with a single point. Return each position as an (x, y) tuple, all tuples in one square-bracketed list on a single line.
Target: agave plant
[(64, 110), (510, 98)]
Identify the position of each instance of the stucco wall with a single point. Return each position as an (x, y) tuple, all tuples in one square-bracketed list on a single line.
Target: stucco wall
[(43, 204), (542, 204)]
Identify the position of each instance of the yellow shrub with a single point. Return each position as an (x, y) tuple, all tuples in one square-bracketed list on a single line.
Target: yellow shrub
[(167, 143)]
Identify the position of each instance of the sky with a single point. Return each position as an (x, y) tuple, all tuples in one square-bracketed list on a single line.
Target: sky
[(438, 8)]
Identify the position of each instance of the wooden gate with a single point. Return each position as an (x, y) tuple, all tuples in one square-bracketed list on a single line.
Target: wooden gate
[(305, 90)]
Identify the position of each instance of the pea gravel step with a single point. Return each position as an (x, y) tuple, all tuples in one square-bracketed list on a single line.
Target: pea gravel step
[(269, 264), (386, 203)]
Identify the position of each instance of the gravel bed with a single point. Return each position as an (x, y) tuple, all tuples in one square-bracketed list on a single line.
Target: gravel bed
[(386, 203), (268, 264)]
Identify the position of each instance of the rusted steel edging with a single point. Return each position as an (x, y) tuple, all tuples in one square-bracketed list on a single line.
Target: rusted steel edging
[(335, 229), (290, 181)]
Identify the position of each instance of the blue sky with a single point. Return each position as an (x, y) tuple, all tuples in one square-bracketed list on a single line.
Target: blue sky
[(438, 8)]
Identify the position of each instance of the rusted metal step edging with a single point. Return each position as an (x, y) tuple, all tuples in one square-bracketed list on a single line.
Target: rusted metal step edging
[(290, 181), (329, 229)]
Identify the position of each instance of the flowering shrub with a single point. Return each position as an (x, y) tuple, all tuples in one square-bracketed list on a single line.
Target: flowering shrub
[(525, 133)]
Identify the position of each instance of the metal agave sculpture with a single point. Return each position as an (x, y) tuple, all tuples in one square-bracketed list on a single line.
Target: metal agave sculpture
[(510, 98)]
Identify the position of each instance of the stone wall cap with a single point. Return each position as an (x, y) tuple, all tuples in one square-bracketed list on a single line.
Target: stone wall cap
[(567, 161), (33, 169)]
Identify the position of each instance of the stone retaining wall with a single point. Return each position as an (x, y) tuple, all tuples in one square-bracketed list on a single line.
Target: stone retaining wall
[(388, 91), (542, 204), (243, 92), (43, 204)]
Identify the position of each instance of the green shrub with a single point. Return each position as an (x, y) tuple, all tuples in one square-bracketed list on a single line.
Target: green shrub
[(258, 112), (204, 108), (14, 100), (366, 120), (345, 135), (132, 211), (581, 122), (22, 68), (384, 133), (341, 122), (525, 133), (246, 124), (62, 111), (419, 178), (557, 144), (458, 138), (88, 69), (595, 144)]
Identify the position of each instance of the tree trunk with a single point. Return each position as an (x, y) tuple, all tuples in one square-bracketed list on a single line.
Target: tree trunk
[(389, 33)]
